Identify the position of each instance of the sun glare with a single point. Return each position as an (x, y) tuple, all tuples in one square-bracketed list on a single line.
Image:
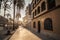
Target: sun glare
[(20, 19)]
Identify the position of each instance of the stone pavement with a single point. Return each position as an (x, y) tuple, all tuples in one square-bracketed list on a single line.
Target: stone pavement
[(24, 34)]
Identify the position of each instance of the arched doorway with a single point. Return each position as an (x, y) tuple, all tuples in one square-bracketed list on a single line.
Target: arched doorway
[(39, 26), (48, 24)]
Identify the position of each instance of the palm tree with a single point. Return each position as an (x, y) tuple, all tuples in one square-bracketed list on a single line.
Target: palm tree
[(20, 5), (18, 15), (14, 4), (0, 4), (6, 6), (8, 15)]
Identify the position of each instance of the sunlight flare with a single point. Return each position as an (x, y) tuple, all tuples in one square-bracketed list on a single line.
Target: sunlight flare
[(20, 19)]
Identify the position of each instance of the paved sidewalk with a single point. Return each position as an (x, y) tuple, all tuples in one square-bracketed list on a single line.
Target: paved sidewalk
[(24, 34)]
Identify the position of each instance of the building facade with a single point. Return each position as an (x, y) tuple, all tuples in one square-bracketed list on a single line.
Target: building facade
[(46, 17)]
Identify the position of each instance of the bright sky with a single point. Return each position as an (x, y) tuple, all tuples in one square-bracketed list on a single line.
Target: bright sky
[(23, 10), (11, 11)]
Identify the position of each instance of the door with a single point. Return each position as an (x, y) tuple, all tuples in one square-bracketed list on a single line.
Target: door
[(39, 26)]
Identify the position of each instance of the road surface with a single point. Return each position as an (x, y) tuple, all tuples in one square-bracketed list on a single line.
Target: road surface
[(24, 34)]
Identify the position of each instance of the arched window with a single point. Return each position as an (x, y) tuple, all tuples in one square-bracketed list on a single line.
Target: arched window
[(48, 24), (38, 9), (51, 4), (35, 13), (43, 6), (34, 25)]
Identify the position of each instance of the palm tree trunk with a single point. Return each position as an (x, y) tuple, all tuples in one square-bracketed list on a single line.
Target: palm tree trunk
[(0, 6), (4, 8), (18, 9), (4, 12), (13, 16)]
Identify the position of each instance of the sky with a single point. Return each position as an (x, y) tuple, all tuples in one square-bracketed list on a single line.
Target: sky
[(23, 10), (11, 11)]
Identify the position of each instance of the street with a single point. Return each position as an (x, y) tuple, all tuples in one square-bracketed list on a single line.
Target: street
[(29, 19), (24, 34)]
